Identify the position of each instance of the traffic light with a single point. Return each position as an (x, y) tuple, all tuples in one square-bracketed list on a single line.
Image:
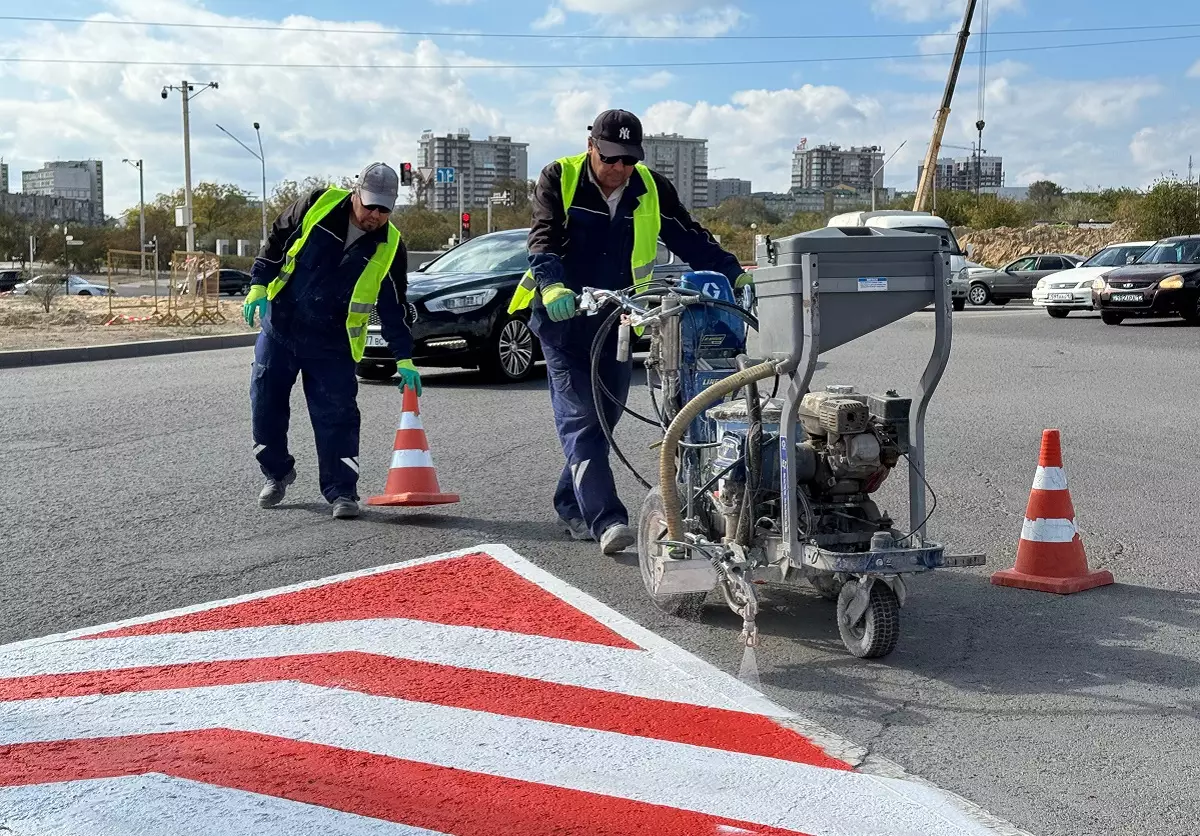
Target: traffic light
[(466, 225), (406, 174)]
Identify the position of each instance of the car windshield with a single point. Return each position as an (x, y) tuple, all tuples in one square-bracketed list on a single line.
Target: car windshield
[(947, 236), (1173, 252), (496, 253), (1115, 256)]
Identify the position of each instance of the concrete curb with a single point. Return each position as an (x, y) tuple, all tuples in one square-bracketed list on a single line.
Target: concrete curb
[(121, 351)]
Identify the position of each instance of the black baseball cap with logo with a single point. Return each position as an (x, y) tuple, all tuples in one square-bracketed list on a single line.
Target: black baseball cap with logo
[(618, 133)]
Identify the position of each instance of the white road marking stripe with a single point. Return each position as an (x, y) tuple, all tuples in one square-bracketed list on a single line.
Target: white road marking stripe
[(1050, 479), (614, 669), (412, 458), (1049, 531), (158, 805), (710, 781), (410, 421)]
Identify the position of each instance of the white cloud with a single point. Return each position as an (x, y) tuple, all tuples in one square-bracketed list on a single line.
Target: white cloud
[(554, 16), (919, 11), (1164, 150), (698, 18), (1194, 72), (654, 81)]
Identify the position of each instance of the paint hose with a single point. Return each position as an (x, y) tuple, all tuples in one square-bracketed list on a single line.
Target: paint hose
[(670, 445)]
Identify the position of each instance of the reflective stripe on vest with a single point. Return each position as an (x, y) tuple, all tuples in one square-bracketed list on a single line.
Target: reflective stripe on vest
[(366, 288), (647, 221)]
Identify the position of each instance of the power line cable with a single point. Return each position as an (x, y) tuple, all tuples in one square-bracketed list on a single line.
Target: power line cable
[(483, 65), (574, 35)]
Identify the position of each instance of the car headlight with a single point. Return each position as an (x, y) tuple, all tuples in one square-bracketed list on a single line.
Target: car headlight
[(1041, 285), (1171, 282), (1097, 284), (462, 302)]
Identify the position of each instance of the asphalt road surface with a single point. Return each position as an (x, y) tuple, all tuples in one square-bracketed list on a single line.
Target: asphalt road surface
[(129, 488)]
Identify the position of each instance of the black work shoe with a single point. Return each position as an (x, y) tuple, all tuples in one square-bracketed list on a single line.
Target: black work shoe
[(345, 508), (274, 490)]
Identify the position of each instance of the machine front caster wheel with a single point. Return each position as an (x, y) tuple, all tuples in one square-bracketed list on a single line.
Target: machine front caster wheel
[(877, 630), (652, 525)]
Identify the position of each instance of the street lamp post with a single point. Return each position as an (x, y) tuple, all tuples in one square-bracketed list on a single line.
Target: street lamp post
[(262, 159), (141, 213), (186, 89), (881, 167)]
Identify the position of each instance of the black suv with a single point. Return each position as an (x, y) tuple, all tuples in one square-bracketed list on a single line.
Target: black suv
[(9, 280)]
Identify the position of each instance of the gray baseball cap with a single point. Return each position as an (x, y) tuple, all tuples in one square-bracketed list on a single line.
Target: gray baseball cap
[(379, 185)]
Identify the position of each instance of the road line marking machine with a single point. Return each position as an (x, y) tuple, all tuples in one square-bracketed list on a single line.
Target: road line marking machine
[(779, 489)]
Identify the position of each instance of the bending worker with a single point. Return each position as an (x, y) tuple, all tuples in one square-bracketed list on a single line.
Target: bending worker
[(596, 224), (330, 259)]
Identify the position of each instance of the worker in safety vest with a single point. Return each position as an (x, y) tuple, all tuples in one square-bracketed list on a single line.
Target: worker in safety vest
[(331, 258), (597, 221)]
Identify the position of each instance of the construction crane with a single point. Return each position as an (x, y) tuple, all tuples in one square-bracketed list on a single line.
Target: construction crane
[(924, 187)]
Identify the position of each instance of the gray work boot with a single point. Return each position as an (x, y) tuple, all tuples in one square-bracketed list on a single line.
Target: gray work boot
[(576, 528), (345, 508), (274, 490), (617, 538)]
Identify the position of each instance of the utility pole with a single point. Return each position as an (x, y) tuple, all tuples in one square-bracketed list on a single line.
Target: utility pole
[(943, 114), (186, 89), (263, 160), (141, 213)]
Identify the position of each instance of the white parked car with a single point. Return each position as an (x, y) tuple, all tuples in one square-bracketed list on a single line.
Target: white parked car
[(1071, 290), (76, 286)]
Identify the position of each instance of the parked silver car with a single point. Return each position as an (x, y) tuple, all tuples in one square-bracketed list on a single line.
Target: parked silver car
[(1018, 278), (76, 286)]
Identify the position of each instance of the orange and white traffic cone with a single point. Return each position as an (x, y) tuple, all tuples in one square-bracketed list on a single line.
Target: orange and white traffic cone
[(412, 479), (1050, 556)]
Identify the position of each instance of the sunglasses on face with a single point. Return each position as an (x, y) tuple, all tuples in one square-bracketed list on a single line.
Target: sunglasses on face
[(383, 210), (628, 160)]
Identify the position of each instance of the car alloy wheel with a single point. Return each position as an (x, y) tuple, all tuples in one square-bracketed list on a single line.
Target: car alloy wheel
[(978, 294), (514, 349)]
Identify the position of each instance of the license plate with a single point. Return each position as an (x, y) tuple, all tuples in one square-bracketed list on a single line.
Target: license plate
[(1064, 297), (1127, 297), (375, 341)]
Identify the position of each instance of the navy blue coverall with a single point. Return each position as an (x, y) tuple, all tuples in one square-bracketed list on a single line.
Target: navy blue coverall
[(595, 250), (304, 334)]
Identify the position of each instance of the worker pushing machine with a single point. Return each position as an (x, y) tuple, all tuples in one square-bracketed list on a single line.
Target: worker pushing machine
[(596, 225), (331, 258)]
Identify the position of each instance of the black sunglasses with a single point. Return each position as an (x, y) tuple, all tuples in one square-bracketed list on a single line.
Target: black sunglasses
[(627, 159), (382, 209)]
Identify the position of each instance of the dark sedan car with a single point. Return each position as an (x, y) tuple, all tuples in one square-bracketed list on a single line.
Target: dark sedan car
[(1164, 281), (458, 311)]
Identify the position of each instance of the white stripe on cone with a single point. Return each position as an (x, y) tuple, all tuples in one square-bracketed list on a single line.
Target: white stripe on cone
[(1050, 479), (607, 763), (1049, 531), (412, 458), (410, 421), (160, 804), (614, 669)]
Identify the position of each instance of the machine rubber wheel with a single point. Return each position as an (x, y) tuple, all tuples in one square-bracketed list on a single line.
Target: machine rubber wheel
[(511, 352), (828, 587), (1058, 313), (959, 304), (652, 524), (1110, 318), (979, 294), (376, 371), (877, 632)]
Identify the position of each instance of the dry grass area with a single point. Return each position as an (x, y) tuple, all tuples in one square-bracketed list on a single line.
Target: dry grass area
[(80, 321)]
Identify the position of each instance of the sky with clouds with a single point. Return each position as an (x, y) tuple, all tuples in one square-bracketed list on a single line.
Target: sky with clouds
[(752, 76)]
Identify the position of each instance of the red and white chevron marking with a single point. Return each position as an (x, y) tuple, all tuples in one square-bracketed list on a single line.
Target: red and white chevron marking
[(469, 694)]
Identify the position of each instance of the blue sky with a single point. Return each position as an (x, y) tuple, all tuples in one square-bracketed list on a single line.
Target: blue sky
[(1120, 114)]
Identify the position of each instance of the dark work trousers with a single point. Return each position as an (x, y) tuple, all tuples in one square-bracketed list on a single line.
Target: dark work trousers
[(585, 489), (331, 390)]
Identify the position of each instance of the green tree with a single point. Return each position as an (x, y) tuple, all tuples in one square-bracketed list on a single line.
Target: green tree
[(992, 212), (1171, 207), (739, 211), (1044, 192)]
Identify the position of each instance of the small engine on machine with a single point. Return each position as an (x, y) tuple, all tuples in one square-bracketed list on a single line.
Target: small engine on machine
[(852, 443)]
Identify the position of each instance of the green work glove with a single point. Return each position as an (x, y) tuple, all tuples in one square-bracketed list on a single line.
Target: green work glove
[(256, 302), (409, 376), (742, 281), (559, 302)]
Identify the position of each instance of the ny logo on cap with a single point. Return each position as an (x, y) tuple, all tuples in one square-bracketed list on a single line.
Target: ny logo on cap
[(624, 133)]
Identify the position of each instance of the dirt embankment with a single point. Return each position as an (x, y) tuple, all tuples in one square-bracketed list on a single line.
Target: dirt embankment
[(81, 321), (996, 247)]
